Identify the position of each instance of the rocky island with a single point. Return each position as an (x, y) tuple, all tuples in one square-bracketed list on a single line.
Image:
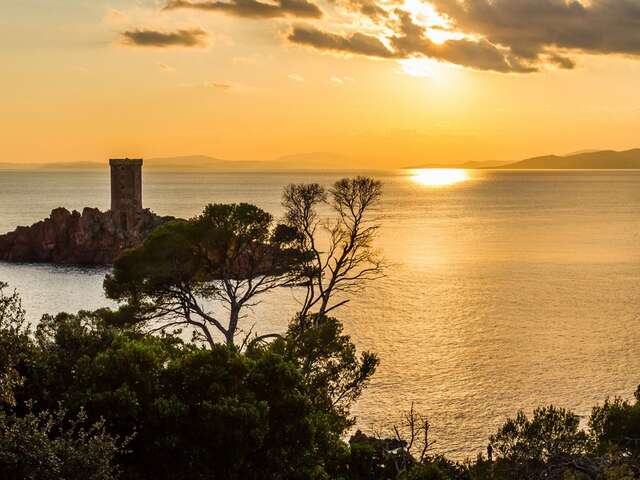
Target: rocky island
[(92, 237)]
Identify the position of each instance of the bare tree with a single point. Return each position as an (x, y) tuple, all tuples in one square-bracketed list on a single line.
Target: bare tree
[(413, 434), (341, 257)]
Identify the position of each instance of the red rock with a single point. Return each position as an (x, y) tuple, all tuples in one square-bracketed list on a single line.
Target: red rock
[(90, 238)]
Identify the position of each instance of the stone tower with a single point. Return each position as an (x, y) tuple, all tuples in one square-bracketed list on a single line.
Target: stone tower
[(126, 190)]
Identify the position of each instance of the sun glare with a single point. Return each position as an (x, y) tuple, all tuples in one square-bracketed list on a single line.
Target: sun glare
[(425, 13), (439, 177), (418, 67)]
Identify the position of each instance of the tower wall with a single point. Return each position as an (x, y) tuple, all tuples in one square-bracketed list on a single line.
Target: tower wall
[(126, 189)]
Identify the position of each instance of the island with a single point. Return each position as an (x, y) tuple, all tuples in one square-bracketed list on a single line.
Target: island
[(90, 237)]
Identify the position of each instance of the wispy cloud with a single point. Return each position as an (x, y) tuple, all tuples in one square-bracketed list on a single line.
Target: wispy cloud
[(194, 37), (505, 36), (341, 80), (295, 77), (115, 16), (356, 43), (218, 85), (253, 8), (166, 68)]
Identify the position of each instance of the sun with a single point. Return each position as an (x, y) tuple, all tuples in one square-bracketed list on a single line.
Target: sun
[(439, 177), (438, 28)]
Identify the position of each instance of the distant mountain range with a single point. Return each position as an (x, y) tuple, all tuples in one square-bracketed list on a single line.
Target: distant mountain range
[(307, 161), (467, 165), (602, 159), (586, 160)]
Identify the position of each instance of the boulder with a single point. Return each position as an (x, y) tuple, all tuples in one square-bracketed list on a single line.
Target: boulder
[(88, 238)]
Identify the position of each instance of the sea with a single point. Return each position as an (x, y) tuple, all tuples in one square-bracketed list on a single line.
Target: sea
[(505, 290)]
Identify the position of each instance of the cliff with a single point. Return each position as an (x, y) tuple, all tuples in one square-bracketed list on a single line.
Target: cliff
[(88, 238)]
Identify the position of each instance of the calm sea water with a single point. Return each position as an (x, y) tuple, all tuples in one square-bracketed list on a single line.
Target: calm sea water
[(508, 289)]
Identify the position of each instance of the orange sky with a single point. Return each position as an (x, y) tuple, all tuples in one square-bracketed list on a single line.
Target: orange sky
[(386, 84)]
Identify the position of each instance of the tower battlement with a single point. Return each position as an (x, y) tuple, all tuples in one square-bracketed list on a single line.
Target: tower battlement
[(126, 189)]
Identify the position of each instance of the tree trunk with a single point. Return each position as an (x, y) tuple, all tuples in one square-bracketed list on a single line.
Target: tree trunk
[(234, 317), (326, 296)]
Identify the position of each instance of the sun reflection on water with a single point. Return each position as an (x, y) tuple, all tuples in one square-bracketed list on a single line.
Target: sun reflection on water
[(440, 177)]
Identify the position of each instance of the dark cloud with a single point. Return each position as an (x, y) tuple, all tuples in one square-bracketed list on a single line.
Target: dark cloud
[(152, 38), (372, 10), (530, 28), (357, 43), (410, 41), (500, 35), (518, 36), (562, 62), (369, 8), (253, 8)]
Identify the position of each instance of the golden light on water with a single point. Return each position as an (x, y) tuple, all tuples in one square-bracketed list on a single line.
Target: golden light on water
[(440, 177)]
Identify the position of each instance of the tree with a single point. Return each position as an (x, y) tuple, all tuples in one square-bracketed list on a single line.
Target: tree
[(616, 425), (341, 256), (14, 343), (51, 446), (230, 255), (42, 445), (327, 360), (194, 413), (531, 448)]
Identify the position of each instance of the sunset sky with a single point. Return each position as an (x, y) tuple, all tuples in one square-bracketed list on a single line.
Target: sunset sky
[(386, 83)]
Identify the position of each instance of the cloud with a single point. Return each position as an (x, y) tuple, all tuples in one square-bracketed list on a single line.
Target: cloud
[(151, 38), (368, 8), (218, 85), (341, 80), (562, 62), (166, 68), (506, 36), (531, 28), (410, 41), (253, 8), (356, 43), (115, 16), (295, 77)]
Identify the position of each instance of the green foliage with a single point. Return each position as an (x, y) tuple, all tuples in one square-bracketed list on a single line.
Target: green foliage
[(163, 259), (276, 411), (616, 426), (372, 458), (15, 349), (552, 432), (327, 359), (230, 255), (429, 471), (50, 446), (527, 446), (190, 412)]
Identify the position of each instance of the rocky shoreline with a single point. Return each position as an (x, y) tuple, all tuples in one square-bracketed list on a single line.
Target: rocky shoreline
[(92, 237)]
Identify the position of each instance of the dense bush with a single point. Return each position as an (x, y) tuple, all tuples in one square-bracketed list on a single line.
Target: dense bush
[(192, 412), (53, 446), (83, 399)]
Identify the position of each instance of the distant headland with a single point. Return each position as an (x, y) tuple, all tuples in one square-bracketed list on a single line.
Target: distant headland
[(325, 161), (91, 237), (592, 160), (306, 161)]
